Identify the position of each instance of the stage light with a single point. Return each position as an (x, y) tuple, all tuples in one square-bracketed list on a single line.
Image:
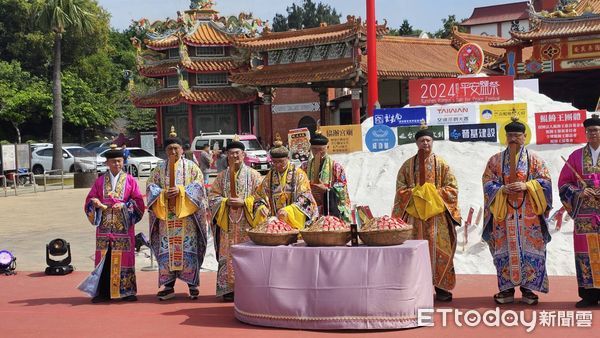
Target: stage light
[(140, 240), (8, 262), (58, 247)]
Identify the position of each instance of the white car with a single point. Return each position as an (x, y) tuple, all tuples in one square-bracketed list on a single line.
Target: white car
[(75, 159), (139, 163)]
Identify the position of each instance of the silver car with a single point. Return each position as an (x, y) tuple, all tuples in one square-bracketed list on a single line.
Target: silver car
[(75, 159)]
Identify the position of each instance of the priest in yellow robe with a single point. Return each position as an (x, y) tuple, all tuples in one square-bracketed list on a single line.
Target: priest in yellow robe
[(231, 203), (430, 204), (178, 209), (285, 192)]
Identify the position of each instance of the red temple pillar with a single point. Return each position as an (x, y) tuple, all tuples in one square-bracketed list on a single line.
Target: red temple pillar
[(239, 119), (355, 106), (372, 57)]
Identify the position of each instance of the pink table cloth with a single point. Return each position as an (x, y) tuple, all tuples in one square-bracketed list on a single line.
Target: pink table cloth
[(332, 288)]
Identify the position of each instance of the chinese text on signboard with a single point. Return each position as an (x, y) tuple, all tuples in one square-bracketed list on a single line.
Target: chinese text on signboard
[(343, 139), (473, 132), (458, 90), (407, 134), (560, 127), (395, 117)]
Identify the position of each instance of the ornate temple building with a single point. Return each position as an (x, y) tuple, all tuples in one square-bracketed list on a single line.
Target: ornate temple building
[(192, 58), (335, 56), (562, 50)]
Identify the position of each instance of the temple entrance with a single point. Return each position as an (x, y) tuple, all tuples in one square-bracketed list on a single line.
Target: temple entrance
[(308, 122), (580, 88)]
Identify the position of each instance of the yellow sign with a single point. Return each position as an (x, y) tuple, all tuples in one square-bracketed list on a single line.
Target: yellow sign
[(343, 139), (490, 113), (501, 114)]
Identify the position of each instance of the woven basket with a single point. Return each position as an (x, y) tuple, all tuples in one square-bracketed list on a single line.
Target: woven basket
[(326, 238), (385, 237), (269, 239)]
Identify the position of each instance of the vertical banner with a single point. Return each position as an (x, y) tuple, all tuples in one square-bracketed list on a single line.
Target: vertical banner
[(395, 117), (343, 139), (485, 132), (299, 144), (453, 114), (560, 127), (380, 138), (407, 134)]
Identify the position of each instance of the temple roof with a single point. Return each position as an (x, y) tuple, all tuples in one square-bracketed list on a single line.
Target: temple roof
[(302, 37), (325, 34), (397, 58), (498, 13), (405, 57), (174, 96), (207, 33), (592, 5), (203, 65), (545, 28), (298, 73)]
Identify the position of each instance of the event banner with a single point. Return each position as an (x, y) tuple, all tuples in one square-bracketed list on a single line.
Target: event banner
[(473, 132), (343, 139), (299, 143), (453, 114), (425, 92), (396, 117), (560, 127), (380, 138), (407, 134), (502, 112)]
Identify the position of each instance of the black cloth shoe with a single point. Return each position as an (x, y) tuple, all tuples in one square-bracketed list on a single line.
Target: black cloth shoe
[(585, 303), (130, 298), (194, 293), (442, 295), (166, 293), (100, 299), (505, 297), (529, 297), (228, 297)]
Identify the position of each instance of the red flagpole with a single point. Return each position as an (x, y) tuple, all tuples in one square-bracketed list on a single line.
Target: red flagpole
[(372, 57)]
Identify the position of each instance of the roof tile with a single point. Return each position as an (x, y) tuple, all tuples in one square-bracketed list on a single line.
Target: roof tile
[(170, 97)]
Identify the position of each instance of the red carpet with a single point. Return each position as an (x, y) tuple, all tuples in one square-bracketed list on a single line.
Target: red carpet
[(33, 304)]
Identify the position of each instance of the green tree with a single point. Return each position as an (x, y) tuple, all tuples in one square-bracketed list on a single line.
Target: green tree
[(24, 96), (448, 24), (56, 17), (307, 15), (405, 30)]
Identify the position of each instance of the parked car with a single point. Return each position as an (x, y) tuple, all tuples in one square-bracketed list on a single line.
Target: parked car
[(256, 156), (75, 159), (139, 163)]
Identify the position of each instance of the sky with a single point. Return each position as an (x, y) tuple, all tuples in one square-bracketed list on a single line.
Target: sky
[(426, 15)]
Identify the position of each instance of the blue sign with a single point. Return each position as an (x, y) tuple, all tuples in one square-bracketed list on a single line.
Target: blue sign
[(396, 117), (485, 132), (380, 138)]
